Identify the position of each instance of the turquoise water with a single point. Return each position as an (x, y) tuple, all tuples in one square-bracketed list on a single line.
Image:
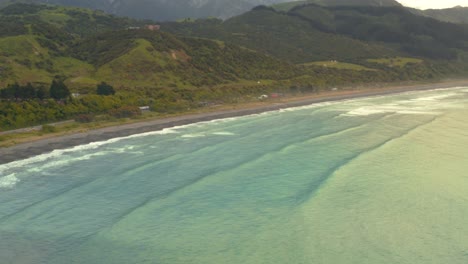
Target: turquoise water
[(374, 180)]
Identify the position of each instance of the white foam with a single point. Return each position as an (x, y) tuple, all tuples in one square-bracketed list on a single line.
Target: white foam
[(365, 111), (198, 135), (90, 146), (416, 112), (224, 134), (393, 109), (307, 107), (424, 105), (434, 97), (8, 182)]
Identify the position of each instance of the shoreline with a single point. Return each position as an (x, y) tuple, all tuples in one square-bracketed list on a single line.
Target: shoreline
[(46, 145)]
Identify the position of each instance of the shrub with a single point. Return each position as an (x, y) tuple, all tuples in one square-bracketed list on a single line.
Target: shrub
[(58, 90), (84, 118), (48, 129), (162, 106), (125, 112), (105, 89)]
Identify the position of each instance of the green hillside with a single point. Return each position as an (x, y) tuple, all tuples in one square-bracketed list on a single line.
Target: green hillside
[(150, 58), (87, 47)]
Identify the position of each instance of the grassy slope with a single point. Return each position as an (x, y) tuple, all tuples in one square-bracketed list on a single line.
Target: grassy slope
[(19, 56), (340, 65), (142, 66), (396, 62), (25, 60)]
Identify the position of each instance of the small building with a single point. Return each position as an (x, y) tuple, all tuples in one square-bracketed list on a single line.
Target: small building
[(276, 95), (153, 27), (144, 108), (133, 28)]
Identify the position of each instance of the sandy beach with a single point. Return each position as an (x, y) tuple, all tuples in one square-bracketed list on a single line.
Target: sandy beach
[(30, 149)]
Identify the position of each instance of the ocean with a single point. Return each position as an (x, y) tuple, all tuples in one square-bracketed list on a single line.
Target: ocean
[(372, 180)]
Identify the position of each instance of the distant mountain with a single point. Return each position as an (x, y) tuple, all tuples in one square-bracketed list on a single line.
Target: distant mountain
[(311, 33), (170, 10), (291, 4), (454, 15), (163, 10), (354, 2)]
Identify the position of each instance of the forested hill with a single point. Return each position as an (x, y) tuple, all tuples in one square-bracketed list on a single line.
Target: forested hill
[(311, 32), (87, 47)]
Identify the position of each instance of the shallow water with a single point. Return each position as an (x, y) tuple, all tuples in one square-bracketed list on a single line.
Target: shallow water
[(374, 180)]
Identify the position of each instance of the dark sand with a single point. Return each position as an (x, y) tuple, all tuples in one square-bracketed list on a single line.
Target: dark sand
[(30, 149)]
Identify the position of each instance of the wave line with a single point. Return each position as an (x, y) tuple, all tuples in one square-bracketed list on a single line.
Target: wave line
[(314, 188)]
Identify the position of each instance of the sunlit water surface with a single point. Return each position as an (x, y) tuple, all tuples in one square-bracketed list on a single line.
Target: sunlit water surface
[(375, 180)]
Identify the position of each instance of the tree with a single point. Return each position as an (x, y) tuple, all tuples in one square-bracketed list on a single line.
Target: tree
[(41, 92), (58, 90), (105, 89), (10, 92), (125, 112), (28, 92)]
